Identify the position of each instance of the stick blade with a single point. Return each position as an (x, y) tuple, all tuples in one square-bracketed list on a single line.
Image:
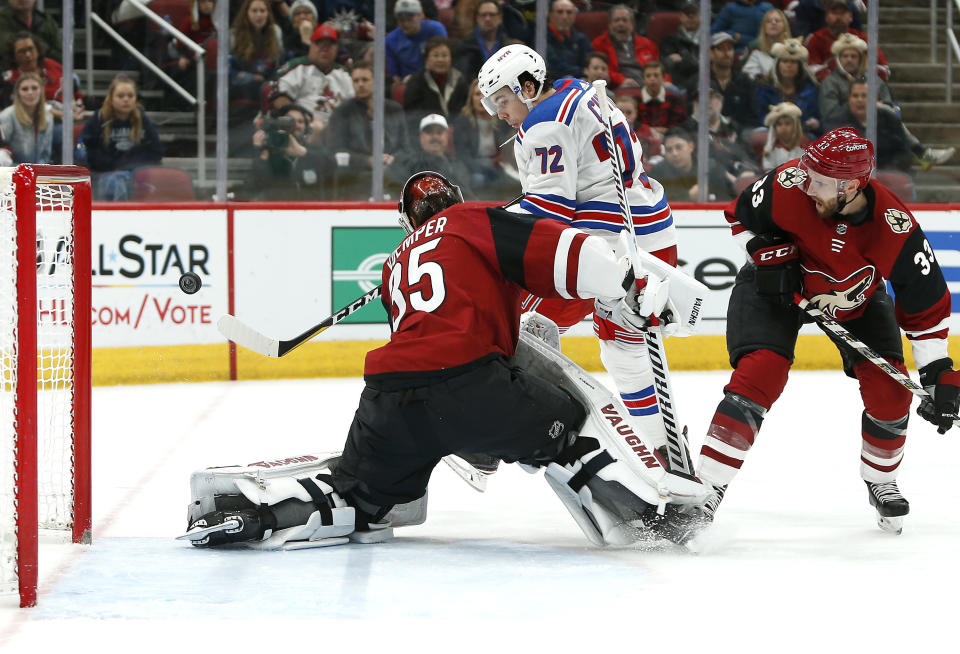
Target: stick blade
[(234, 330)]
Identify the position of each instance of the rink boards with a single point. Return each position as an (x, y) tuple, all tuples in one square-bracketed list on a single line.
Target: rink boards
[(284, 267)]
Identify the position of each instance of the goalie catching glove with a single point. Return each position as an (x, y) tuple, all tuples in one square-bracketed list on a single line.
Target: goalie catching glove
[(942, 382)]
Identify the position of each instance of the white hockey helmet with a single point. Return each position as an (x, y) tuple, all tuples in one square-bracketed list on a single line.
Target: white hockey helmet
[(503, 69)]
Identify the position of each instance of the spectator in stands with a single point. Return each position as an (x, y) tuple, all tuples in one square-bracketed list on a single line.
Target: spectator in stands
[(485, 39), (180, 61), (350, 135), (850, 52), (651, 144), (433, 154), (598, 67), (736, 88), (314, 82), (256, 46), (790, 81), (809, 16), (775, 29), (22, 16), (740, 19), (680, 51), (464, 20), (659, 108), (26, 126), (303, 22), (6, 155), (627, 51), (117, 139), (27, 58), (405, 44), (678, 171), (839, 17), (476, 139), (438, 88), (726, 137), (428, 10), (897, 148), (567, 48), (785, 138), (289, 164)]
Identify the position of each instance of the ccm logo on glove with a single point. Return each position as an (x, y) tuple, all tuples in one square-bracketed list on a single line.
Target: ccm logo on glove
[(773, 255)]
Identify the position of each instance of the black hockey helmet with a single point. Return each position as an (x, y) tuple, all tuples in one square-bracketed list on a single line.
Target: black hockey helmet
[(424, 195)]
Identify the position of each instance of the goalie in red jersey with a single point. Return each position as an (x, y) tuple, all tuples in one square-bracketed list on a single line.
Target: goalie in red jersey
[(821, 227), (451, 379)]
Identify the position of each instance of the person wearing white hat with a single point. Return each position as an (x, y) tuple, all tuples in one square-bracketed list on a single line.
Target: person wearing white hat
[(850, 55), (404, 45), (785, 138), (790, 81), (433, 153)]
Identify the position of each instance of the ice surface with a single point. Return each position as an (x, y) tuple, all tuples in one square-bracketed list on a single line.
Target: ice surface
[(795, 561)]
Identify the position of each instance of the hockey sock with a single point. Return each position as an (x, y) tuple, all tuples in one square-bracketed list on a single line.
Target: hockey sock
[(731, 434), (882, 448)]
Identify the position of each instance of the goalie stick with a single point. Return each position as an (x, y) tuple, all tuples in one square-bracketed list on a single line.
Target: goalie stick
[(678, 453), (832, 326)]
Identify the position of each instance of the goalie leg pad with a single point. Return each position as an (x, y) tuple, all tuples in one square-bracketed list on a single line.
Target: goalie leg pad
[(275, 503), (604, 497)]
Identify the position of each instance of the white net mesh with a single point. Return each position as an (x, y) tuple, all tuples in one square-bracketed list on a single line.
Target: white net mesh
[(8, 380), (55, 355), (54, 263)]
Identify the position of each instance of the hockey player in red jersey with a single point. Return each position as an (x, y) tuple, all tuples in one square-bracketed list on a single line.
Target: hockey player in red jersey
[(446, 382), (821, 227)]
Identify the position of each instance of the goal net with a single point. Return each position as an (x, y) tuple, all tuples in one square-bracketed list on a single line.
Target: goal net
[(44, 364)]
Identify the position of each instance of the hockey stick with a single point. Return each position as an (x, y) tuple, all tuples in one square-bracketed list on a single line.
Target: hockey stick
[(678, 453), (864, 350), (242, 334), (233, 329)]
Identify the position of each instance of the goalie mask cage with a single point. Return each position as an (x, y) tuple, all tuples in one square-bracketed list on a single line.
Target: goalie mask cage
[(44, 364)]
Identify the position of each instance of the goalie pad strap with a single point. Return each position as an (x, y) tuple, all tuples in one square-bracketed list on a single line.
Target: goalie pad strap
[(589, 470), (320, 501), (580, 447)]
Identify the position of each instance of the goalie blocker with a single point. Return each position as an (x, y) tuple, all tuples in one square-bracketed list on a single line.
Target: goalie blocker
[(607, 476)]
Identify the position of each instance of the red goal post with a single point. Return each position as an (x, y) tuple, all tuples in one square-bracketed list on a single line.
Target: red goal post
[(45, 282)]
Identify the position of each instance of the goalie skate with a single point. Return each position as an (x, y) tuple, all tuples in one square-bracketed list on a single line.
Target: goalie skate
[(223, 527), (890, 504)]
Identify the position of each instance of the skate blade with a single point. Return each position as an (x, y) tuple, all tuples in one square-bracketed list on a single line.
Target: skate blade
[(891, 525), (199, 533)]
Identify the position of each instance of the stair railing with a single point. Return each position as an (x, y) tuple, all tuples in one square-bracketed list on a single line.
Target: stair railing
[(953, 48), (199, 102)]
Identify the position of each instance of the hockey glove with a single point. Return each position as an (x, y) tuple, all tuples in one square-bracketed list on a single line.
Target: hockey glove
[(624, 311), (942, 382), (778, 267)]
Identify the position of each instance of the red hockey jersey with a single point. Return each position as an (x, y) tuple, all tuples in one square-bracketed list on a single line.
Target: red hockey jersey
[(844, 261), (452, 289)]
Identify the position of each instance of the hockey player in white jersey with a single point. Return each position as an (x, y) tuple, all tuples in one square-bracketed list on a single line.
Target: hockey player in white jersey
[(566, 174)]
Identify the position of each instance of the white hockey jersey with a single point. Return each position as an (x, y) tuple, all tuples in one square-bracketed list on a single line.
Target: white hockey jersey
[(566, 174)]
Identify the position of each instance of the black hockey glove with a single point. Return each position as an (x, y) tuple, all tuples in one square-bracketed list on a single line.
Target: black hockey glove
[(778, 267), (943, 383)]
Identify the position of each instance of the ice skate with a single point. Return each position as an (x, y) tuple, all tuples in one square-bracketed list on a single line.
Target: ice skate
[(221, 527), (890, 504)]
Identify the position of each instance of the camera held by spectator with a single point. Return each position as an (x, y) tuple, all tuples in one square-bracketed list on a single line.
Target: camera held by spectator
[(289, 166)]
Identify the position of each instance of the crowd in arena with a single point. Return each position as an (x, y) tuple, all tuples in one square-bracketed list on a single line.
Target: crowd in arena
[(301, 88)]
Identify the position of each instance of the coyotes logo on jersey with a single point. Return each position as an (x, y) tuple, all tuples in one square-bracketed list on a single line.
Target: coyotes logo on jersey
[(838, 298)]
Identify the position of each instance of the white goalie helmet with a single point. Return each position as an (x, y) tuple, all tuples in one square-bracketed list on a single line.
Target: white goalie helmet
[(504, 68)]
